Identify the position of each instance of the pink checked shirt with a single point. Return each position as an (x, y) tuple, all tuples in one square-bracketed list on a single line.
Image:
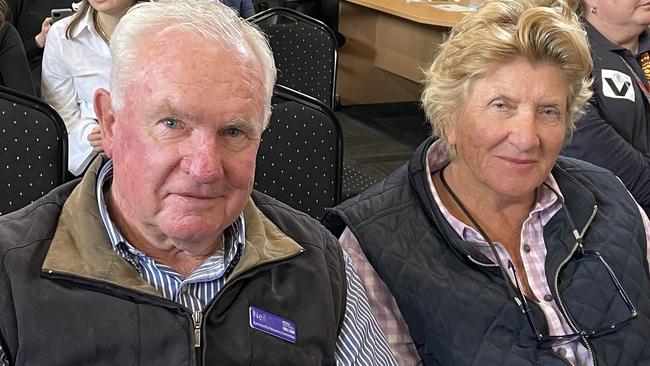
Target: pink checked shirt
[(533, 254)]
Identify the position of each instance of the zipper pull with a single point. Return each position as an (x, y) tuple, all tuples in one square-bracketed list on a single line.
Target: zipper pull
[(197, 316)]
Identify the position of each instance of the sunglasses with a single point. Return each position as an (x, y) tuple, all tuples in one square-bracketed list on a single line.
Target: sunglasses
[(543, 341)]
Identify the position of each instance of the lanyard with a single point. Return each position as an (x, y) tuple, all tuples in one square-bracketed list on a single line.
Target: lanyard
[(638, 80)]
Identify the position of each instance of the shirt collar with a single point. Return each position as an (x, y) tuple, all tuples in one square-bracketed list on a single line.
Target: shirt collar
[(546, 201), (644, 42), (234, 235), (86, 23)]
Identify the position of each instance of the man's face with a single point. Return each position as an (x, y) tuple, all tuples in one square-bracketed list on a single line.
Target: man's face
[(184, 143)]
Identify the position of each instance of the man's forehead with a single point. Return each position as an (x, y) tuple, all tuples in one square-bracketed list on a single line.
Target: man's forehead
[(173, 39)]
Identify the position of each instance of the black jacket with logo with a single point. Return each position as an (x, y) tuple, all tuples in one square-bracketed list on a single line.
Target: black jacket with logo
[(615, 132)]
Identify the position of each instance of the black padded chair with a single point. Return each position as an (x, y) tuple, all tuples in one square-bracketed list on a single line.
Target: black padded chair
[(304, 50), (33, 149), (300, 157)]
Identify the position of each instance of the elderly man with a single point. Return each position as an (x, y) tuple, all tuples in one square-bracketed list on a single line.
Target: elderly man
[(161, 255)]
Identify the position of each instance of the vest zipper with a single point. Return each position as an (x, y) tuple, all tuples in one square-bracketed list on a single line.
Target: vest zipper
[(197, 317), (557, 272), (563, 309)]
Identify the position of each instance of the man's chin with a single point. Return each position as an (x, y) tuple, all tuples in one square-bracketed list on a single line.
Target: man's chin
[(193, 229)]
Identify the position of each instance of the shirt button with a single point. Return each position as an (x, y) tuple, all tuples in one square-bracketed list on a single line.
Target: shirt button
[(548, 297), (526, 248), (561, 351)]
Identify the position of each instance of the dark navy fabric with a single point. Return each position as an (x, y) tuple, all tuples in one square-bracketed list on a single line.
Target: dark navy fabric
[(243, 7), (458, 310), (614, 133)]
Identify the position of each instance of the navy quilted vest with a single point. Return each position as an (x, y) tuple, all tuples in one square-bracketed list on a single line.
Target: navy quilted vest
[(458, 310)]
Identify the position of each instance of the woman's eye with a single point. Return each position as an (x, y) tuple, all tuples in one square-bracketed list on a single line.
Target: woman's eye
[(550, 112), (171, 123)]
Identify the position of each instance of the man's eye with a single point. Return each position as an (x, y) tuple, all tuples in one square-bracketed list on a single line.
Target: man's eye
[(171, 123), (233, 132)]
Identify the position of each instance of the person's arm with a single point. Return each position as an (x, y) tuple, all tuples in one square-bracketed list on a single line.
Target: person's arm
[(59, 90), (8, 320), (382, 303), (595, 140), (3, 358), (246, 9), (31, 48), (34, 46), (361, 341), (14, 68), (646, 227)]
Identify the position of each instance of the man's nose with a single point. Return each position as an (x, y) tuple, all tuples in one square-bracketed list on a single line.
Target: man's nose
[(204, 161)]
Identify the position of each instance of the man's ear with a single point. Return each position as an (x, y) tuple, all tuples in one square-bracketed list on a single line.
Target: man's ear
[(106, 118)]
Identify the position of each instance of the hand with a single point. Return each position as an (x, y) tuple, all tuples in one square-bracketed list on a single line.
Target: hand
[(95, 139), (45, 27)]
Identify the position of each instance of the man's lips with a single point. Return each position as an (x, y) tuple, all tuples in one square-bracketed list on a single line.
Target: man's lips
[(191, 195)]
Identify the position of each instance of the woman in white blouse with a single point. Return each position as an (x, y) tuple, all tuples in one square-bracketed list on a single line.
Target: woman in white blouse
[(77, 62)]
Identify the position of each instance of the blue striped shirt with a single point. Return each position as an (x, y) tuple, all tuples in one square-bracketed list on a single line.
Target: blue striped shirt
[(361, 342)]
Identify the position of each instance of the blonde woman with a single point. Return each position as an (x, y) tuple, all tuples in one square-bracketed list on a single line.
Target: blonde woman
[(487, 248)]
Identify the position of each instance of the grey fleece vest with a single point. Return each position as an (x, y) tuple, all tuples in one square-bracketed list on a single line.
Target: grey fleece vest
[(458, 310)]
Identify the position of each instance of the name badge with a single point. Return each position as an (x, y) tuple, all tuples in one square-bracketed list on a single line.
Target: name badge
[(272, 324)]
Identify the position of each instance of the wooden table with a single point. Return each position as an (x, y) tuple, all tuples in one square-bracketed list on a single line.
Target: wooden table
[(388, 43)]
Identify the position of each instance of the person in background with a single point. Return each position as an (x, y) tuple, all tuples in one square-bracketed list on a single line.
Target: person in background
[(243, 7), (615, 131), (32, 20), (488, 248), (14, 69), (76, 62), (162, 254)]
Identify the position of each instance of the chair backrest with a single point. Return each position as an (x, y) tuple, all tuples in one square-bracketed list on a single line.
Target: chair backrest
[(300, 157), (33, 149), (304, 50)]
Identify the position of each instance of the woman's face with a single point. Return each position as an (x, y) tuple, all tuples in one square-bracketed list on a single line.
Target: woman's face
[(112, 7), (623, 13), (510, 130)]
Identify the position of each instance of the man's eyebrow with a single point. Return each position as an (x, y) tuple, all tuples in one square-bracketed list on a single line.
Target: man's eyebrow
[(245, 123), (167, 109)]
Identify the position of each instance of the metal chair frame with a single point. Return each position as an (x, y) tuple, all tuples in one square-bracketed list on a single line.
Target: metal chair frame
[(266, 17)]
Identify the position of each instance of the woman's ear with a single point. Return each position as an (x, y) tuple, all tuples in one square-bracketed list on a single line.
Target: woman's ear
[(106, 118), (448, 131)]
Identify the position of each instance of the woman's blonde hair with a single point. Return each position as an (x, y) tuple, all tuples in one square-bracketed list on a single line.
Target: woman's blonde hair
[(540, 31)]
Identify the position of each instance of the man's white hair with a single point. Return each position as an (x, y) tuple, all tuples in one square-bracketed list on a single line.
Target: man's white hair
[(216, 23)]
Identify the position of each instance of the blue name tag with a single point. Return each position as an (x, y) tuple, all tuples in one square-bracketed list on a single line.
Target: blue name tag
[(272, 324)]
